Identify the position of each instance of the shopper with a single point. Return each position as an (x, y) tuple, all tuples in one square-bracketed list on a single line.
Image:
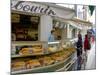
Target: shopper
[(93, 39), (79, 52), (89, 35), (52, 36), (79, 35), (92, 35), (79, 43), (86, 44), (86, 48)]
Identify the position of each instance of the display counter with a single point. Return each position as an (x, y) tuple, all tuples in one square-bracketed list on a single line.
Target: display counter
[(52, 56)]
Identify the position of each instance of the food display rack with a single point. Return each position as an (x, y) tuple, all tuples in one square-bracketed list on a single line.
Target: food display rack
[(58, 66), (50, 68), (21, 43)]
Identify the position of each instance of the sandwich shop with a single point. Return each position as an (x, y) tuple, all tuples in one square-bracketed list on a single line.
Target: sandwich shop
[(31, 25)]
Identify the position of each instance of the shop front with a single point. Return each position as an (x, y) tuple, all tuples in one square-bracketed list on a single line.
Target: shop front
[(31, 24), (39, 16)]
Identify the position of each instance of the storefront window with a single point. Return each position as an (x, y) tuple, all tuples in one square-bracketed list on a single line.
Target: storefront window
[(24, 27)]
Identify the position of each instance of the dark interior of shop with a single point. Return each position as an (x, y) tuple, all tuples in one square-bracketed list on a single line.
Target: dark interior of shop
[(21, 29)]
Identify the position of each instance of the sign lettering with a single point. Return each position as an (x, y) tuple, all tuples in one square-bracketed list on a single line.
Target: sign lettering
[(21, 6)]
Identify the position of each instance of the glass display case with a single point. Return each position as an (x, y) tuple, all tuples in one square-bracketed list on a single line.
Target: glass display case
[(33, 57), (28, 48)]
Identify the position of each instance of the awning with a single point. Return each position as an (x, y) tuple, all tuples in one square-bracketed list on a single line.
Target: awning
[(77, 23), (81, 22)]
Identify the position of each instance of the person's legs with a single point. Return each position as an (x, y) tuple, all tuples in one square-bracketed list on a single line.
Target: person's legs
[(86, 55), (79, 63), (85, 58)]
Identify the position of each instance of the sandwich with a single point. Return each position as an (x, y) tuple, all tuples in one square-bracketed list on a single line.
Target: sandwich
[(46, 60), (33, 63), (29, 51), (52, 49), (18, 65), (26, 51), (57, 58)]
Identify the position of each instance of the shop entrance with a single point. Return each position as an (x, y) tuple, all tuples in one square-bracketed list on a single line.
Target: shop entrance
[(24, 27)]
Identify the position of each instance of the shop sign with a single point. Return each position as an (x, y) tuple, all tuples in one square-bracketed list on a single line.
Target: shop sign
[(32, 8)]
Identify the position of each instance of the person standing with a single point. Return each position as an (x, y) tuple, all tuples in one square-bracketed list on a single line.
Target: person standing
[(52, 36), (89, 34), (86, 43), (92, 38), (79, 52), (86, 48), (79, 35), (80, 40)]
